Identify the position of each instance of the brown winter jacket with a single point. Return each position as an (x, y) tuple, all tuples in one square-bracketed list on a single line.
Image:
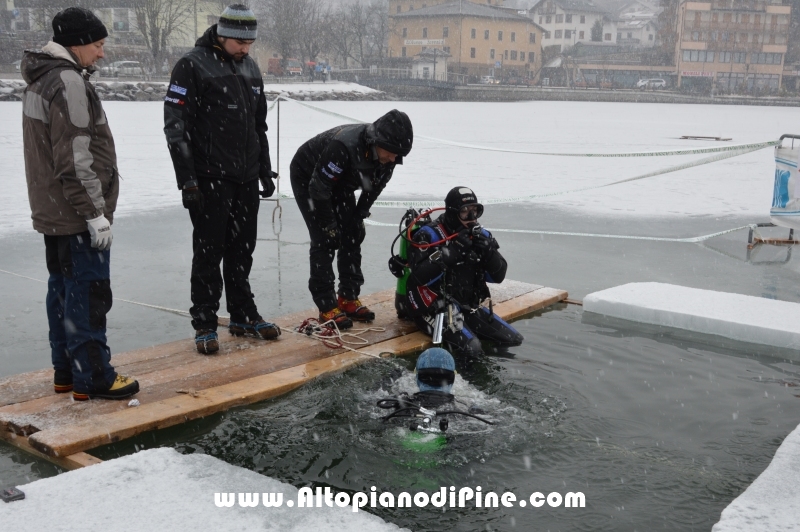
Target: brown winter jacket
[(70, 161)]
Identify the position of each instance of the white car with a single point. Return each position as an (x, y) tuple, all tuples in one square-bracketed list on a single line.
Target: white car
[(656, 83), (488, 80), (123, 68)]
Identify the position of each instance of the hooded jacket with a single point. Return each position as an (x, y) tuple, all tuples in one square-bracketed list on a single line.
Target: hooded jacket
[(215, 116), (341, 158), (70, 160)]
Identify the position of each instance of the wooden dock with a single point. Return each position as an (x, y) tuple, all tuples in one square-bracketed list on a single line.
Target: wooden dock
[(178, 384)]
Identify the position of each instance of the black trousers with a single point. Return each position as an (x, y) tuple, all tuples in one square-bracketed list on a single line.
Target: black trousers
[(469, 328), (348, 257), (225, 230)]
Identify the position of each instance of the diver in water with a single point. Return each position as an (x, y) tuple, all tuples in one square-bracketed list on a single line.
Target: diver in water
[(426, 410), (449, 261)]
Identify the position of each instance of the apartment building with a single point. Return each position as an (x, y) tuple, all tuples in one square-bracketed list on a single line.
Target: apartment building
[(569, 22), (481, 39), (732, 45)]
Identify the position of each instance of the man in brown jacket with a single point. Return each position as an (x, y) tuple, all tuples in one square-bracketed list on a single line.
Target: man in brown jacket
[(71, 169)]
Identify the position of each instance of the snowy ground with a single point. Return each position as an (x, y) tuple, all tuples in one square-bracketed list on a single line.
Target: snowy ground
[(161, 489), (741, 186)]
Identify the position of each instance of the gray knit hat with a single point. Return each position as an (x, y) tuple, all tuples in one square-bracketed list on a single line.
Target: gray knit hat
[(237, 22)]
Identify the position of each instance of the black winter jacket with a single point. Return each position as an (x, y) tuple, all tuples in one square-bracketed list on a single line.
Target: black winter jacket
[(339, 158), (465, 282), (215, 116)]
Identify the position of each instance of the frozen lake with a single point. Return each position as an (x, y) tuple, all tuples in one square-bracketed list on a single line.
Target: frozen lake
[(659, 429)]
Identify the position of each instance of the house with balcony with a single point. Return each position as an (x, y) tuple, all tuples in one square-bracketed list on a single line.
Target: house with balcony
[(569, 22), (732, 45)]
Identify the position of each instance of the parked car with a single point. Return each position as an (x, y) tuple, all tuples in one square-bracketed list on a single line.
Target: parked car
[(656, 83), (489, 80), (123, 68)]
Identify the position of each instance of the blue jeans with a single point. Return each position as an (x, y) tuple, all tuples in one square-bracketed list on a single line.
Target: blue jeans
[(78, 299)]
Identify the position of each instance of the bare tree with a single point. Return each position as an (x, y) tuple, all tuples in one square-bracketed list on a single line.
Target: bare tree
[(312, 35), (160, 20), (283, 19)]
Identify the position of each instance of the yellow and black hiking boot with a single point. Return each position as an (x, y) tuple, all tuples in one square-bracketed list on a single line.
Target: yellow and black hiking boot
[(122, 388), (206, 341), (355, 310), (62, 381), (259, 328), (335, 315)]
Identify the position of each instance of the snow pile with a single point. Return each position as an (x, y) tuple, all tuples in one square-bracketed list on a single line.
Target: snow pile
[(160, 489), (745, 318), (769, 503)]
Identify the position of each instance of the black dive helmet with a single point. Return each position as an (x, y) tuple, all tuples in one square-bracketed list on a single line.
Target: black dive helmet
[(393, 133), (461, 204)]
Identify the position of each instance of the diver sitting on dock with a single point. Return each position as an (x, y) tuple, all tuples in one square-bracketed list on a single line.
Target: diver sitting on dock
[(450, 260)]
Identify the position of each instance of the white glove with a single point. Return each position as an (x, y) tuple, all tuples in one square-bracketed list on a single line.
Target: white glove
[(100, 230)]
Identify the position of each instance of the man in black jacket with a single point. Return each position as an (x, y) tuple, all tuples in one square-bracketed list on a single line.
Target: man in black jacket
[(325, 172), (450, 260), (215, 117)]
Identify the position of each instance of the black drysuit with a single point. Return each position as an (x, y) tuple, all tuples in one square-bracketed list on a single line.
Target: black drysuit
[(432, 286), (325, 172), (215, 117)]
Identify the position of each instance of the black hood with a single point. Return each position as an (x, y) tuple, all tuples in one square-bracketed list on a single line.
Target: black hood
[(392, 132)]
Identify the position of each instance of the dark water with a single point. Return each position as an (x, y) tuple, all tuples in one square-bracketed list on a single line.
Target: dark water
[(658, 429)]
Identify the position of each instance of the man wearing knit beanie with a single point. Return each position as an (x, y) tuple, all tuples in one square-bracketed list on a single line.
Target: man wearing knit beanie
[(73, 185), (215, 121)]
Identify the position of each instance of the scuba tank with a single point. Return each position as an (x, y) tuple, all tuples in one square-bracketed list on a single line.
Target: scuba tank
[(398, 264)]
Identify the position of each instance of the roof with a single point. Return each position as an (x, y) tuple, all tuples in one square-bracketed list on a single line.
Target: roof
[(463, 8), (579, 6)]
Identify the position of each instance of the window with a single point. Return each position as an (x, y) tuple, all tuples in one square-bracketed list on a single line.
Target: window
[(559, 19), (472, 53), (581, 35), (445, 32), (567, 34), (399, 8), (522, 55), (546, 35), (766, 59), (540, 20), (446, 49), (583, 19), (569, 19), (499, 35), (505, 54), (548, 19), (724, 36), (619, 36), (531, 57), (486, 34), (725, 57), (698, 56), (513, 36), (513, 55), (739, 57), (491, 53), (403, 52), (607, 37), (649, 37), (532, 38), (695, 35), (424, 33), (558, 34), (405, 32), (473, 33)]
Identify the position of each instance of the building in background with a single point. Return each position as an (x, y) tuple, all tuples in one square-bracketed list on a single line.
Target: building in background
[(482, 40), (732, 45)]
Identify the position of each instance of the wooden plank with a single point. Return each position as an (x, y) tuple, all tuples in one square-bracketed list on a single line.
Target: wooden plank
[(73, 461), (115, 426)]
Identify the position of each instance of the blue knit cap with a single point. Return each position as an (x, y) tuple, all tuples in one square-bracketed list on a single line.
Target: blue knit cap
[(237, 22), (436, 370)]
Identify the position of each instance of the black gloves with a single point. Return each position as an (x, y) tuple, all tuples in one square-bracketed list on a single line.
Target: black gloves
[(192, 197), (269, 185), (459, 249), (332, 236), (484, 246)]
